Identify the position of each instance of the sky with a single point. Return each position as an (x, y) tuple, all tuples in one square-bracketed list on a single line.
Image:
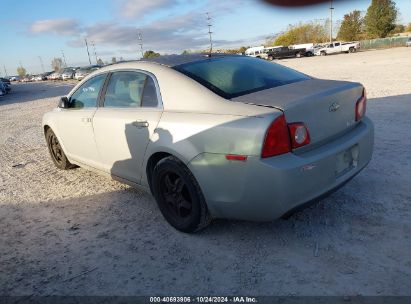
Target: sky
[(34, 32)]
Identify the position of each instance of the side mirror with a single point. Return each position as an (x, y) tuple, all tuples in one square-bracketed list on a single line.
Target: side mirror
[(64, 103)]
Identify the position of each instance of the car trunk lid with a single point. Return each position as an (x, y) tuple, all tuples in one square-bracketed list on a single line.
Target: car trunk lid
[(326, 107)]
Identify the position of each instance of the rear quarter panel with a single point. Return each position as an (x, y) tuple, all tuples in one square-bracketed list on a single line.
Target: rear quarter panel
[(187, 135)]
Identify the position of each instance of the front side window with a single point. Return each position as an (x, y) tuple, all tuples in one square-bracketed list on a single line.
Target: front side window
[(235, 76), (130, 90), (337, 44), (86, 96)]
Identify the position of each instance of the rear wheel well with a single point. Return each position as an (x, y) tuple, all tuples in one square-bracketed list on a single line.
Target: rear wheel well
[(152, 162)]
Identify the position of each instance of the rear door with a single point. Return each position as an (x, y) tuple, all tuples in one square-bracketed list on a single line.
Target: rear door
[(126, 120)]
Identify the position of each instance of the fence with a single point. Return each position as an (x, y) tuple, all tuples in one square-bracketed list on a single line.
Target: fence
[(383, 43)]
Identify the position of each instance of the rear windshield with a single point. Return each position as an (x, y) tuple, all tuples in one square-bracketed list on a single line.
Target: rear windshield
[(231, 77)]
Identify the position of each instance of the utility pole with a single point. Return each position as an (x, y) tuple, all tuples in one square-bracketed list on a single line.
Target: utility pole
[(88, 53), (331, 21), (5, 71), (94, 49), (42, 66), (140, 42), (64, 58), (209, 31)]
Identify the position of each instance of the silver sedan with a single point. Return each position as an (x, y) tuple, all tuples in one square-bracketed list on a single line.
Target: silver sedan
[(216, 136)]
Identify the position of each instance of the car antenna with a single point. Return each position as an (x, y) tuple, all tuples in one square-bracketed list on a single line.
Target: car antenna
[(209, 33)]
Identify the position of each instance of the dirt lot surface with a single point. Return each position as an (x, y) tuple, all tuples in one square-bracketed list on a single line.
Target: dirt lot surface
[(77, 233)]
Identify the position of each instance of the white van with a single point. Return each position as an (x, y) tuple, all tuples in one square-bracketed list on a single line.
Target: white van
[(255, 51)]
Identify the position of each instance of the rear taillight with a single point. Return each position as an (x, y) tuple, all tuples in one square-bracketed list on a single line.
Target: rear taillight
[(360, 106), (299, 135), (277, 138), (282, 137)]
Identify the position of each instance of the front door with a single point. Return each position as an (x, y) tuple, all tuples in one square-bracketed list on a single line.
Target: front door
[(75, 123), (125, 123)]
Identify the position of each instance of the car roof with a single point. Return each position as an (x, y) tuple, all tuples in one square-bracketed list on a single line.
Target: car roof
[(174, 60)]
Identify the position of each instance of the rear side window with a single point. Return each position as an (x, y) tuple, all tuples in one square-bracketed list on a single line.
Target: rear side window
[(234, 76), (130, 90)]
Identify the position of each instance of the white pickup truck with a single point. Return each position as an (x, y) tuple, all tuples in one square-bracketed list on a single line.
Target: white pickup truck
[(338, 47)]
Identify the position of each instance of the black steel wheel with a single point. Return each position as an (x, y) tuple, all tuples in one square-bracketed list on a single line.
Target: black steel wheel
[(56, 151), (179, 196)]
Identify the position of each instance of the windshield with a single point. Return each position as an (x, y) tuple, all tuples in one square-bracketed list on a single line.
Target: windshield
[(233, 76)]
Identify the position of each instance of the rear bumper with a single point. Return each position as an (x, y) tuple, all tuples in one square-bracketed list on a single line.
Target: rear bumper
[(265, 189)]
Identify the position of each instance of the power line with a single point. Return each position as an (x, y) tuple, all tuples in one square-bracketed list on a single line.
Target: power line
[(88, 53), (209, 31)]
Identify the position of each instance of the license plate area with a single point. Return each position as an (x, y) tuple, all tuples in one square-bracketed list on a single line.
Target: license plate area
[(346, 160)]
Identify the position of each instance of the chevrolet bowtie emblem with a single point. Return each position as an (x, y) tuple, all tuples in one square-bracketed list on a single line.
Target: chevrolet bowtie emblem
[(334, 107)]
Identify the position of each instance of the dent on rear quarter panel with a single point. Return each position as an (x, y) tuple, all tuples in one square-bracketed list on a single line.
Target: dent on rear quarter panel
[(193, 133)]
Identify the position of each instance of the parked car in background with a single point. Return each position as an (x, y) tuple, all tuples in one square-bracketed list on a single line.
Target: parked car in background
[(45, 75), (228, 137), (5, 80), (338, 47), (408, 42), (55, 76), (84, 71), (285, 52), (5, 87), (308, 47), (266, 50), (51, 76), (14, 78), (255, 51), (2, 89), (27, 79), (68, 73)]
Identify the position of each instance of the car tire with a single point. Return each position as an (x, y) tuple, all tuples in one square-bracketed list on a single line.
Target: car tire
[(57, 154), (179, 196), (298, 55), (351, 50), (323, 54), (270, 58)]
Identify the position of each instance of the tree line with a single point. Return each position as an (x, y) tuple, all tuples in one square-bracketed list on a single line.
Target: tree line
[(380, 21)]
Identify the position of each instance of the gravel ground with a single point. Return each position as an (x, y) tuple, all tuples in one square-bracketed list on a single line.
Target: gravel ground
[(78, 233)]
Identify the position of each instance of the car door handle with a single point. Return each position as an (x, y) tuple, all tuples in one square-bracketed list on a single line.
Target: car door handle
[(141, 124), (86, 119)]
